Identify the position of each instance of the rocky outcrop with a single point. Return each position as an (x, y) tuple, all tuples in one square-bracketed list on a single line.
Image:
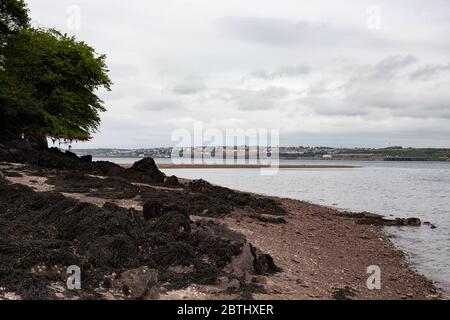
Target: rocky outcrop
[(148, 167)]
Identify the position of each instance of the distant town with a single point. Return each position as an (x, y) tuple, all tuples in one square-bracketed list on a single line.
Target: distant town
[(396, 153)]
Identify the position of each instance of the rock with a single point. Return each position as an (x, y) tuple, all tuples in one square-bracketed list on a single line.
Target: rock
[(226, 283), (87, 158), (172, 181), (413, 222), (243, 263), (375, 219), (263, 263), (5, 156), (345, 293), (251, 261), (17, 154), (269, 218), (71, 155), (140, 283), (174, 223), (149, 168), (259, 280), (181, 269), (152, 209)]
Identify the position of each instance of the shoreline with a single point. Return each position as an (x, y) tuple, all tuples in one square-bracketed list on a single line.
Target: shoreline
[(322, 253), (242, 166)]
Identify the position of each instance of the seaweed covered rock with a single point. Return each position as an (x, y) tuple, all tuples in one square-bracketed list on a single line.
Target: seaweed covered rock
[(172, 181), (154, 208), (173, 223), (147, 168), (174, 254), (236, 198)]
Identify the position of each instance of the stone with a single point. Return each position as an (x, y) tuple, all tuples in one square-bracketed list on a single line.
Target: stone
[(148, 166), (243, 263), (87, 158), (71, 155), (140, 283), (152, 209), (172, 181), (17, 154)]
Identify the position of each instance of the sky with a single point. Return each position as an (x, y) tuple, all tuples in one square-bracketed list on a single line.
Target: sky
[(336, 73)]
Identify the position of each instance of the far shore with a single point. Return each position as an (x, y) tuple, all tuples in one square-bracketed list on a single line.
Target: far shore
[(244, 166)]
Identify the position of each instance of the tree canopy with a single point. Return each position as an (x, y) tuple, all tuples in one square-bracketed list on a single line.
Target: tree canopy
[(48, 81), (13, 17)]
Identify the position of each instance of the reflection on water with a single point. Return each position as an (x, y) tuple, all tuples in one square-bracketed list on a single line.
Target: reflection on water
[(394, 189)]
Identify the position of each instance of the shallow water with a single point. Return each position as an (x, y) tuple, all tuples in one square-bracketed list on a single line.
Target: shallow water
[(393, 189)]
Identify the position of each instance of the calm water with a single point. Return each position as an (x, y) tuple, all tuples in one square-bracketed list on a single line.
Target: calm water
[(393, 189)]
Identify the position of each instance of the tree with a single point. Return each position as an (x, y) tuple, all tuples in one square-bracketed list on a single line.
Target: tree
[(13, 17), (48, 85)]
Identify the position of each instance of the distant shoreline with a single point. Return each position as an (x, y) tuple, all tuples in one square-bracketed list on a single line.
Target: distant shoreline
[(243, 166)]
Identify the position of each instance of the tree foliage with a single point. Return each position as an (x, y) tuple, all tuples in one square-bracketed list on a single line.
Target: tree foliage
[(13, 17), (49, 83)]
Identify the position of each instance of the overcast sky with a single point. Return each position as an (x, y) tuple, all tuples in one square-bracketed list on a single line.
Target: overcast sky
[(324, 72)]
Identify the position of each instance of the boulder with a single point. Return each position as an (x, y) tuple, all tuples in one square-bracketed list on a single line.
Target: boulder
[(148, 167), (172, 181), (17, 155), (140, 283), (87, 158), (243, 263), (152, 209), (5, 156), (71, 155), (252, 261)]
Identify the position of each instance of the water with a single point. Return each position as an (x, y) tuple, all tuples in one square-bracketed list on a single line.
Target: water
[(129, 160), (393, 189)]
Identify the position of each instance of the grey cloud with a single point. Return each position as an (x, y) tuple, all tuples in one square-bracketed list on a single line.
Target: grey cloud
[(428, 71), (389, 66), (189, 87), (162, 104), (253, 100), (285, 71), (284, 32), (317, 88)]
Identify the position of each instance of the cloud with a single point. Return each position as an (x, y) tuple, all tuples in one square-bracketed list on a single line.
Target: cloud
[(285, 71), (390, 66), (429, 71), (296, 33), (188, 88), (255, 100), (160, 104)]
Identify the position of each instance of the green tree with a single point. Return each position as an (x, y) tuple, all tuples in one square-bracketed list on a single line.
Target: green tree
[(13, 17), (48, 87)]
